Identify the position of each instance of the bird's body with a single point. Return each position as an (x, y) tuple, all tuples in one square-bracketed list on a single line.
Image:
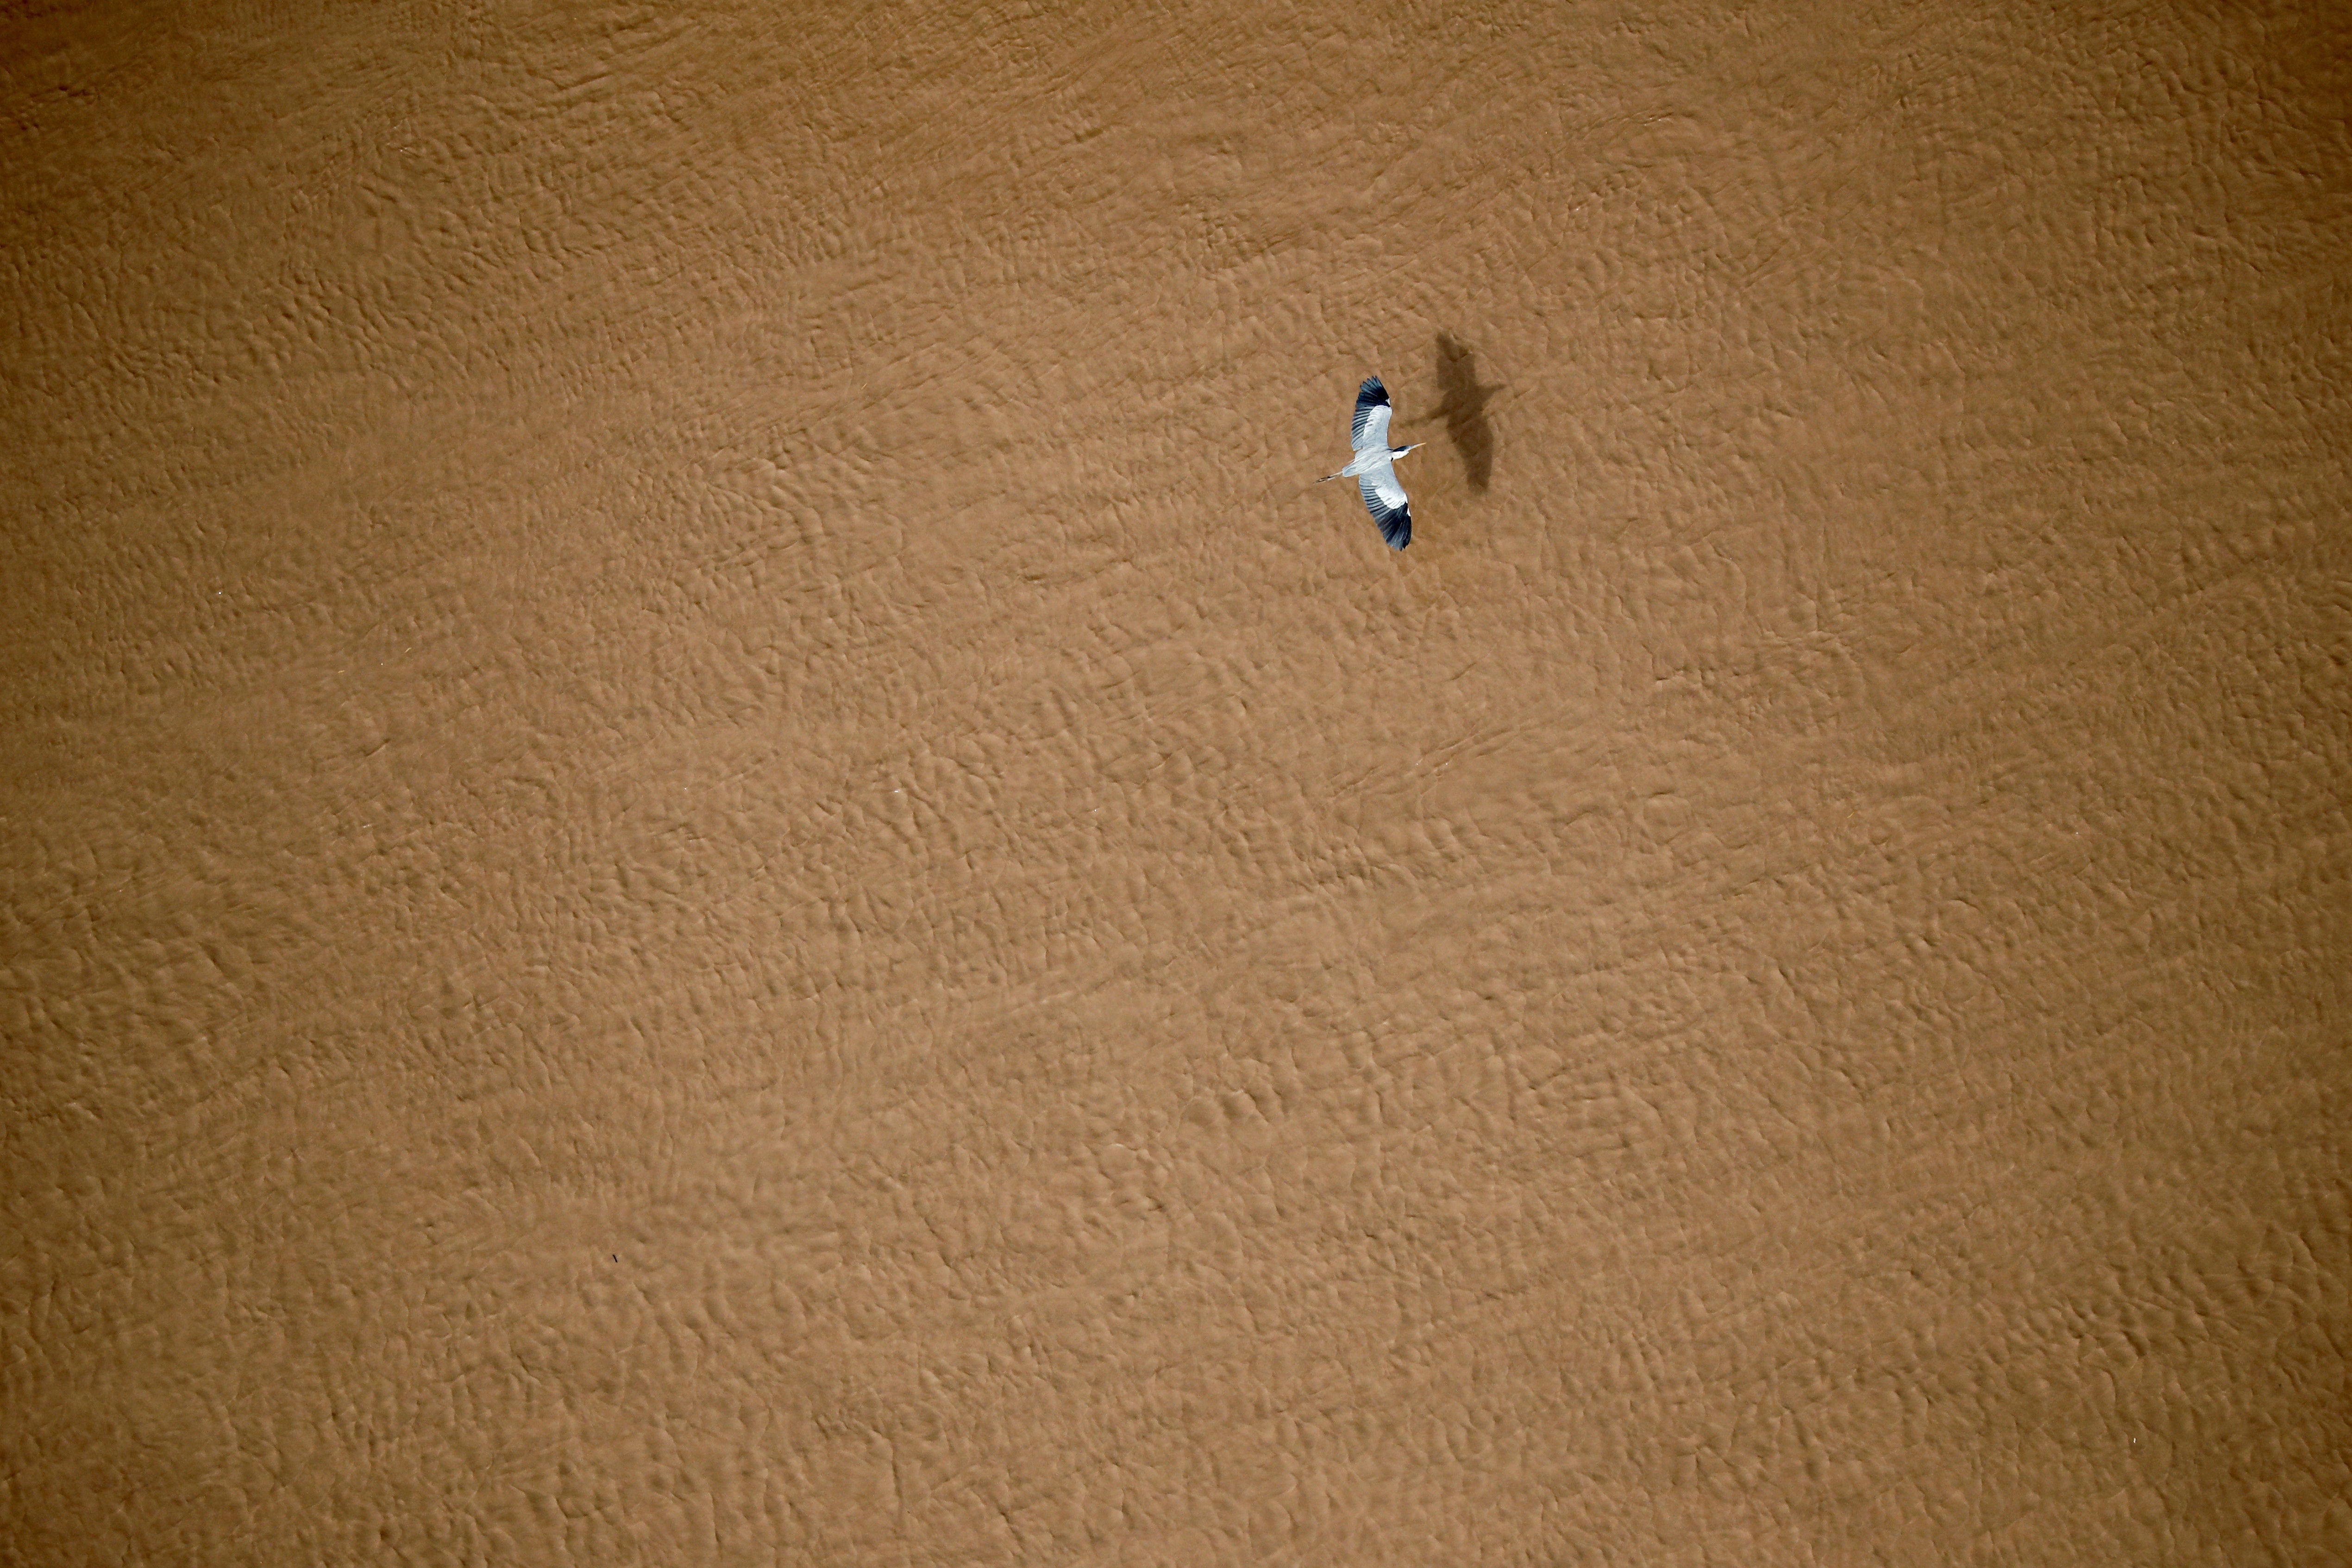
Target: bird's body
[(1374, 466)]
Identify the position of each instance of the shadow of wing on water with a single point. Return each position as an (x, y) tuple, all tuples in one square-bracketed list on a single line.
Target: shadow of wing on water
[(1462, 404)]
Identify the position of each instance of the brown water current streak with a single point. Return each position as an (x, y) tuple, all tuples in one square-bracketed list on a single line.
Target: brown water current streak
[(711, 854)]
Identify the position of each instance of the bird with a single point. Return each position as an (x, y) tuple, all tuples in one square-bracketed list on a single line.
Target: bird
[(1374, 464)]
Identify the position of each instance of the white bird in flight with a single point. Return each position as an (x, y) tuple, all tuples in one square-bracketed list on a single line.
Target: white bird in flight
[(1374, 464)]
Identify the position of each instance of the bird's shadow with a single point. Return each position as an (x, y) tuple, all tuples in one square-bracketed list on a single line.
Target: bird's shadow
[(1462, 404)]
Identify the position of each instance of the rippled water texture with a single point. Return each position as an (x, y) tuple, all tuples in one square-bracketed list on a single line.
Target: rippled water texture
[(712, 856)]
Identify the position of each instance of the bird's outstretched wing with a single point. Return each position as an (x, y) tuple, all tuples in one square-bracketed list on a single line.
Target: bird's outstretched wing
[(1385, 499), (1371, 425)]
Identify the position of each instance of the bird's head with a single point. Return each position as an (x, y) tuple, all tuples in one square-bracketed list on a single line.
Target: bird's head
[(1396, 452)]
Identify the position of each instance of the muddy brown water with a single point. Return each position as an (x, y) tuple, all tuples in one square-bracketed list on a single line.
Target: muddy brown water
[(711, 855)]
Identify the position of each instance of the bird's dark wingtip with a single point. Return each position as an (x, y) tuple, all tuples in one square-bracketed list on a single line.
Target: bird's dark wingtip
[(1397, 528), (1371, 392)]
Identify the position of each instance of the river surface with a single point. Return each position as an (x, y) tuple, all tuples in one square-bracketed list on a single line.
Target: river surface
[(711, 854)]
